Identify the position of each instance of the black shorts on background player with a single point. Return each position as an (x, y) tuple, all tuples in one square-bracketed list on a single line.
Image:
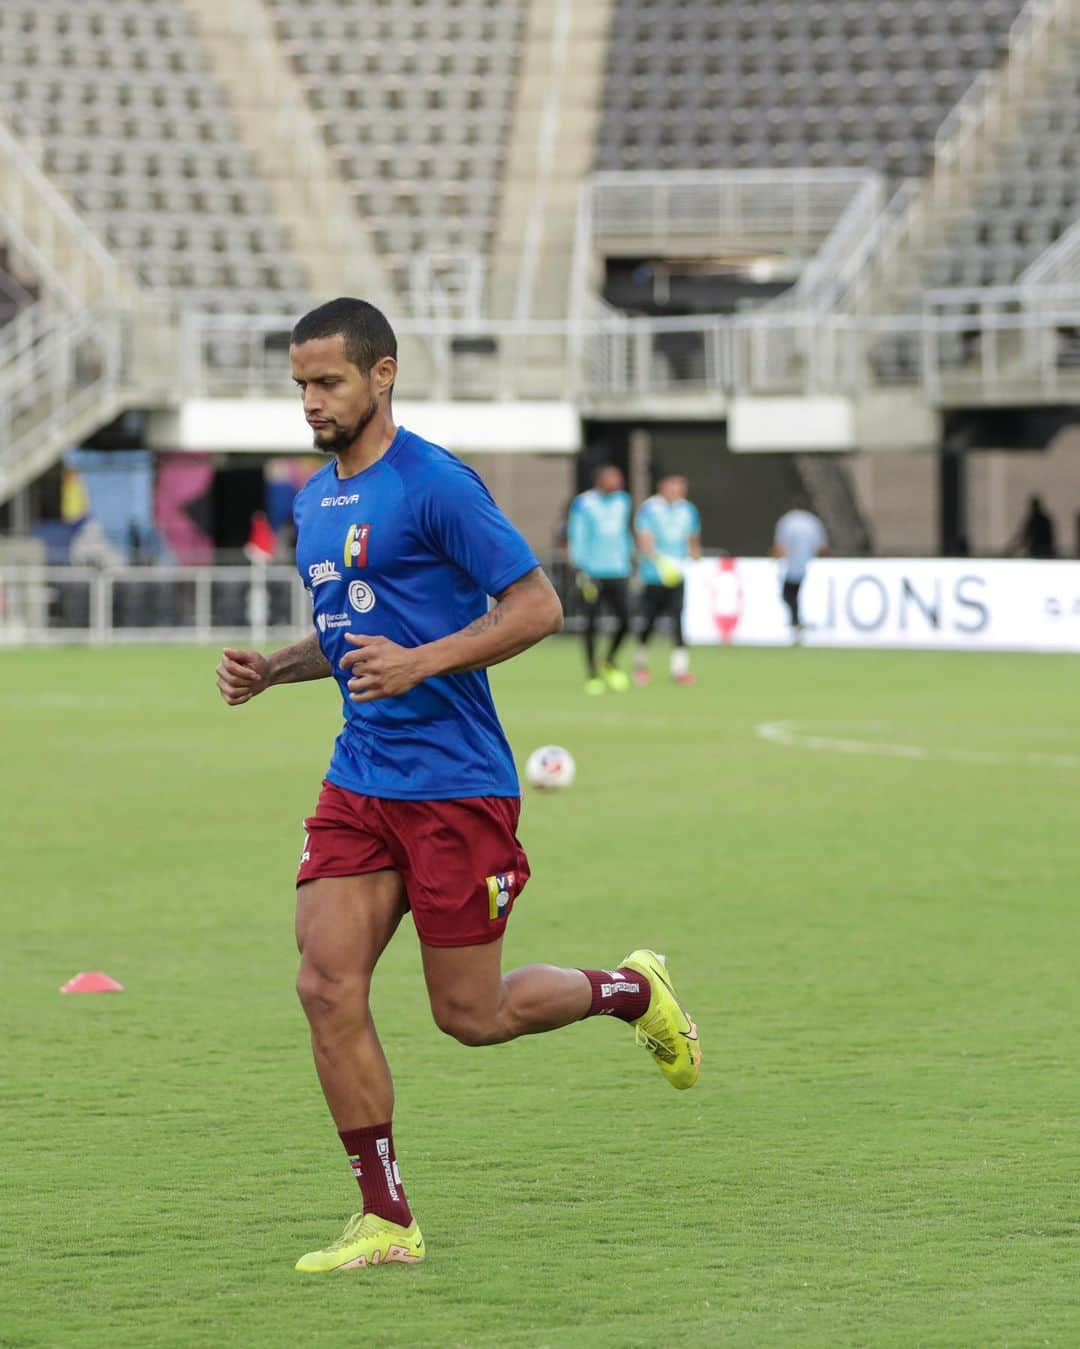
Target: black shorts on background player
[(662, 602)]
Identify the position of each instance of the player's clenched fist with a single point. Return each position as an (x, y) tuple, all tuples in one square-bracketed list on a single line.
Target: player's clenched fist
[(241, 675), (379, 668)]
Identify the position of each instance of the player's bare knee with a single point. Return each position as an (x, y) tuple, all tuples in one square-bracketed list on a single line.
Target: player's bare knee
[(329, 995)]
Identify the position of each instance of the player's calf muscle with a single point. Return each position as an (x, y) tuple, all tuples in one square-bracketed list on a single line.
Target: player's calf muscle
[(529, 1000)]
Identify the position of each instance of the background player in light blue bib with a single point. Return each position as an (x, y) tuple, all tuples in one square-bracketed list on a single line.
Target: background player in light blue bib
[(668, 529), (601, 549)]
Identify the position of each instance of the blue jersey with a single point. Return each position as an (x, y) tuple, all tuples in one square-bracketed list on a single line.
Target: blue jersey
[(598, 533), (410, 549), (672, 525)]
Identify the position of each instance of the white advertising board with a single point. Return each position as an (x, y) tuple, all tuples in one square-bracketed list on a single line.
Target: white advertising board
[(944, 603)]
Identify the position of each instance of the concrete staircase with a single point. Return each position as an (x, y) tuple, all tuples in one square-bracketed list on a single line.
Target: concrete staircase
[(556, 112), (828, 484), (1041, 49), (62, 359)]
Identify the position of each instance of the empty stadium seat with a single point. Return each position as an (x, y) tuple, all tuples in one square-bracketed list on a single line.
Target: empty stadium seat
[(415, 101), (149, 154), (1027, 198), (836, 84)]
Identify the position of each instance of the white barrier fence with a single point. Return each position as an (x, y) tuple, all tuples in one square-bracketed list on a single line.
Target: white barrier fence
[(943, 603), (52, 605), (932, 603)]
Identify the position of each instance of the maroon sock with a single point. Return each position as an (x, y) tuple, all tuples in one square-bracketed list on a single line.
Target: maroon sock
[(623, 993), (371, 1156)]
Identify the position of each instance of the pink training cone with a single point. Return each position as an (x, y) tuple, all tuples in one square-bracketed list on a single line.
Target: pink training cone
[(93, 982)]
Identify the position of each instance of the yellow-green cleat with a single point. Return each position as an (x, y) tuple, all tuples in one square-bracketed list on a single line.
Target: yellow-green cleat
[(618, 681), (665, 1028), (595, 686), (367, 1240)]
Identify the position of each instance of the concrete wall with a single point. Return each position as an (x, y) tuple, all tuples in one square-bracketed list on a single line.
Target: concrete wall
[(533, 490), (897, 493), (1000, 483)]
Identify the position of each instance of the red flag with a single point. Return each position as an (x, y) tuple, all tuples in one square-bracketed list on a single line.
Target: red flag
[(261, 541)]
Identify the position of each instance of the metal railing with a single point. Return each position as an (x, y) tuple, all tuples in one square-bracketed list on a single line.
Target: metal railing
[(997, 344), (982, 113), (60, 379), (979, 119), (871, 265), (826, 277), (50, 605), (48, 232), (447, 286), (1012, 340), (733, 205), (1059, 265)]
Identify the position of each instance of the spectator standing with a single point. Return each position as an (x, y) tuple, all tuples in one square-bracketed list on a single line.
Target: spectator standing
[(1035, 537)]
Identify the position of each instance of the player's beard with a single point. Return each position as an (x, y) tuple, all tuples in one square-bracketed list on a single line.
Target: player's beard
[(345, 436)]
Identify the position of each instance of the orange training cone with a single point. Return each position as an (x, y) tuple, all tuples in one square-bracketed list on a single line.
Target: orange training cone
[(93, 982)]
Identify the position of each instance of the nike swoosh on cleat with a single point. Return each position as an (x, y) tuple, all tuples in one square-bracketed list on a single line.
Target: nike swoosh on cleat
[(664, 982), (690, 1034)]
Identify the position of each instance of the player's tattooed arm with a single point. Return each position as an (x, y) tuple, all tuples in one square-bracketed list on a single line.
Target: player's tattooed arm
[(524, 614), (241, 675), (491, 619), (298, 663)]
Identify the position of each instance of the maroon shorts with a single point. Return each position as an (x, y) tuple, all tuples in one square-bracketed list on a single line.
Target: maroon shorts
[(461, 861)]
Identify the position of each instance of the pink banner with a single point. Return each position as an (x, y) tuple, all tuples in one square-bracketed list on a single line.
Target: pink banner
[(183, 505)]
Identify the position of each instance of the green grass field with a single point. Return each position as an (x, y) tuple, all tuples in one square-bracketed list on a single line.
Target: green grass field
[(878, 937)]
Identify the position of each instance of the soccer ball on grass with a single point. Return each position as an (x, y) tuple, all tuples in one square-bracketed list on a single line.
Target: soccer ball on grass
[(549, 767)]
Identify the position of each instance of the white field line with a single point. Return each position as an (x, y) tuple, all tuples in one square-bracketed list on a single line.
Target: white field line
[(790, 735)]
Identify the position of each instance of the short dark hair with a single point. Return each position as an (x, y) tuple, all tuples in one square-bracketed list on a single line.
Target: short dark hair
[(366, 330)]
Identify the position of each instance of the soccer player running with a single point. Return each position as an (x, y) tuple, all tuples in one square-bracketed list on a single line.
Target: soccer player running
[(799, 537), (668, 529), (401, 545), (601, 547)]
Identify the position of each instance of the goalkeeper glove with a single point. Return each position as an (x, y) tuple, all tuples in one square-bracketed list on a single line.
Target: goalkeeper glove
[(590, 591), (671, 573)]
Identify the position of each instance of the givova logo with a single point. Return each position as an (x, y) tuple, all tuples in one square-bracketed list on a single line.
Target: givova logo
[(356, 545)]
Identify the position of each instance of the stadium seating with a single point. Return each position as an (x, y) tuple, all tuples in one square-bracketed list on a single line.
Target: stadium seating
[(416, 101), (134, 127), (416, 97), (1026, 200), (791, 83)]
